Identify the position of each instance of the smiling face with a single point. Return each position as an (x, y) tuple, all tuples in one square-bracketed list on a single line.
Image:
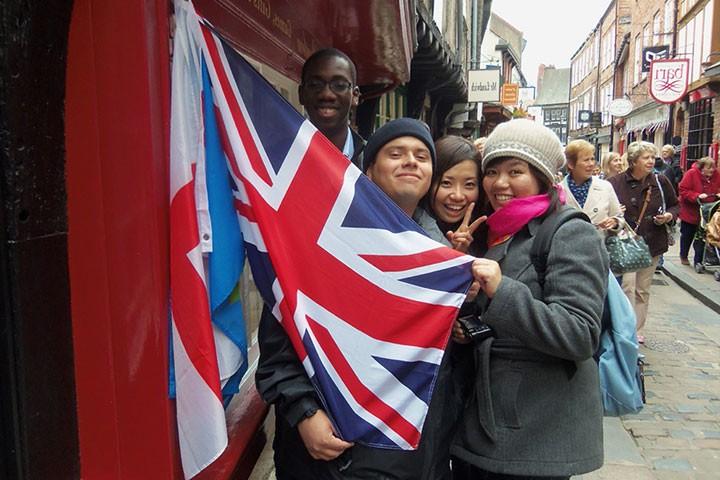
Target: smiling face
[(507, 179), (584, 166), (327, 107), (403, 169), (616, 164), (455, 190)]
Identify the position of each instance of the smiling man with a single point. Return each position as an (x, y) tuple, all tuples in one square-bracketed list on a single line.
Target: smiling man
[(398, 158), (328, 92)]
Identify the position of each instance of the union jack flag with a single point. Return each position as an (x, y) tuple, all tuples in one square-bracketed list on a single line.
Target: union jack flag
[(366, 298)]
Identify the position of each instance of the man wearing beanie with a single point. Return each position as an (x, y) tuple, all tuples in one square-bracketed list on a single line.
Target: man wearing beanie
[(399, 159)]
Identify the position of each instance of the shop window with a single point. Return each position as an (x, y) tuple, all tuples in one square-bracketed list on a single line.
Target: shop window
[(700, 129), (392, 105)]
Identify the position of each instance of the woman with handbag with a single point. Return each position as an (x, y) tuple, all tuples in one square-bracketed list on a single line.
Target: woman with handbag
[(535, 409), (651, 205), (701, 184)]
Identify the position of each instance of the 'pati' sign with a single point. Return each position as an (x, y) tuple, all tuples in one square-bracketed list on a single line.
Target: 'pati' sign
[(669, 79)]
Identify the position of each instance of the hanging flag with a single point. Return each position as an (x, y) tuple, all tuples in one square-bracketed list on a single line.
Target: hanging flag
[(366, 298)]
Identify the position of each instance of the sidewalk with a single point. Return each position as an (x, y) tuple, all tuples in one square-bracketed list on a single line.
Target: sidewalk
[(702, 286)]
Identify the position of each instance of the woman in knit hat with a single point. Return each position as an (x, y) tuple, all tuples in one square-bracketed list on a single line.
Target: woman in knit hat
[(535, 410)]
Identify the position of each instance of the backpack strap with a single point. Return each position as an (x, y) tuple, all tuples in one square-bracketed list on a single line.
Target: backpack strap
[(540, 248)]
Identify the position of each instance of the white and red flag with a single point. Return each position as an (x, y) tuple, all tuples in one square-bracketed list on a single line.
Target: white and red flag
[(365, 296)]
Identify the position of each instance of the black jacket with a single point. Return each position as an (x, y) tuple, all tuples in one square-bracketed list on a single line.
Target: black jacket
[(282, 381), (359, 146)]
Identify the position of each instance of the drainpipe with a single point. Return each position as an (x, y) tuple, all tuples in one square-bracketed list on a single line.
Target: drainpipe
[(673, 52), (473, 36)]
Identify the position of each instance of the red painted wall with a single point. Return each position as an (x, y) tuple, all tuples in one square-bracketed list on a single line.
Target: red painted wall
[(117, 156)]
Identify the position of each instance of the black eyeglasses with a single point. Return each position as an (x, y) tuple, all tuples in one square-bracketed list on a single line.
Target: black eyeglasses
[(336, 86)]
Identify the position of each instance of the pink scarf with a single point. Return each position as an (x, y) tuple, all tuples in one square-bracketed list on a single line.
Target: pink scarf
[(510, 219)]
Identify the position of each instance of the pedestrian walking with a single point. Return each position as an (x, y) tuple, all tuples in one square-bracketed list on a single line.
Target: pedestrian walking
[(651, 204), (700, 184), (612, 164), (535, 408), (589, 193)]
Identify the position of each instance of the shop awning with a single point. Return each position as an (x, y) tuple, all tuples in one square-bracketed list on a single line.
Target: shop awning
[(648, 118), (378, 36)]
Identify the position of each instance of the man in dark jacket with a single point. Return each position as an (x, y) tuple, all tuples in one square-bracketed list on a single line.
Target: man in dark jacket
[(399, 158), (328, 92)]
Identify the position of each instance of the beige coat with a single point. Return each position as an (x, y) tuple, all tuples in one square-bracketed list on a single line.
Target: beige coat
[(601, 203)]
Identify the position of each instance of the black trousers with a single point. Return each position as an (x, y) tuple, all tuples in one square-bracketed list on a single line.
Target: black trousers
[(465, 471), (687, 232)]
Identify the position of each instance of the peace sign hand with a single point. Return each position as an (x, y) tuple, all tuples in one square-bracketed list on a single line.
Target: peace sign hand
[(462, 237)]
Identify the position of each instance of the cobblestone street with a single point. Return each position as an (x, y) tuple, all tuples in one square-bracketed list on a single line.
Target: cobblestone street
[(677, 435)]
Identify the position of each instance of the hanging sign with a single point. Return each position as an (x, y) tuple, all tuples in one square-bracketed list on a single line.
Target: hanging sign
[(483, 86), (620, 107), (510, 94), (669, 79), (654, 53)]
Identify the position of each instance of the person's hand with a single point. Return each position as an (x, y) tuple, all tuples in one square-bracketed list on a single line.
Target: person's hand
[(702, 196), (318, 435), (608, 223), (487, 273), (458, 335), (462, 237), (662, 218), (622, 208), (472, 291)]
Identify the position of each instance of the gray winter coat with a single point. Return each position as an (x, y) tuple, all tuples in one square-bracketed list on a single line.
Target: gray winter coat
[(536, 409)]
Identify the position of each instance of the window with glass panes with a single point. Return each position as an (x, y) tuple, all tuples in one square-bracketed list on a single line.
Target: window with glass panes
[(700, 128), (392, 105)]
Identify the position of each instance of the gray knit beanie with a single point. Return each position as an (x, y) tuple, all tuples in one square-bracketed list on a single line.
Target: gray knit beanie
[(529, 141)]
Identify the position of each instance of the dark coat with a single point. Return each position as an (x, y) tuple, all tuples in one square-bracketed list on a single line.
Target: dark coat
[(693, 184), (281, 380), (358, 146), (631, 193), (536, 408)]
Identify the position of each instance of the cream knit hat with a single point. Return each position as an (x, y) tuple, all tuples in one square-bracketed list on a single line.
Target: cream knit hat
[(529, 141)]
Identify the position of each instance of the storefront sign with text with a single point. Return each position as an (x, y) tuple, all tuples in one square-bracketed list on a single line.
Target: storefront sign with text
[(669, 79)]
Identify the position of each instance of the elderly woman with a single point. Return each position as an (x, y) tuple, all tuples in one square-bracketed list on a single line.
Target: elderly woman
[(701, 184), (612, 164), (536, 409), (585, 192), (639, 189)]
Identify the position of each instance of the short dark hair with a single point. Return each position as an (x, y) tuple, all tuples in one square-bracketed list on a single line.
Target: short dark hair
[(328, 53)]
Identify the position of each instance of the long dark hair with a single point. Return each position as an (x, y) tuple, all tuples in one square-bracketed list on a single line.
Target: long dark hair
[(452, 150)]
